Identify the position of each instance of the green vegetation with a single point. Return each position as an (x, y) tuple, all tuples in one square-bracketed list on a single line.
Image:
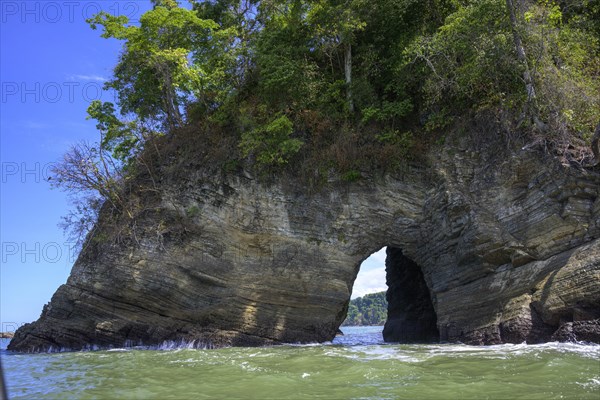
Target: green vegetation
[(316, 87), (371, 309), (271, 143)]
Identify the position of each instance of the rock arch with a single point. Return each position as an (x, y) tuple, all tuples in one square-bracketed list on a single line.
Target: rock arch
[(507, 253), (411, 316)]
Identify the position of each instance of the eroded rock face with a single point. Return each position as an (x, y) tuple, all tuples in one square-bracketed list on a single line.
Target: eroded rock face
[(411, 316), (507, 246)]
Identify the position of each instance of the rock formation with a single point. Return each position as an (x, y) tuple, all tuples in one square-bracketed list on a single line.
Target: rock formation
[(485, 246)]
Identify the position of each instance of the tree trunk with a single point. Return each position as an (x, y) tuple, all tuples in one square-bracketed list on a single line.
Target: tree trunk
[(174, 116), (595, 146), (172, 108), (348, 73), (521, 56)]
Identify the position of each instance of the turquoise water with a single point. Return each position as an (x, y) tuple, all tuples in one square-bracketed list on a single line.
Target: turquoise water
[(356, 366)]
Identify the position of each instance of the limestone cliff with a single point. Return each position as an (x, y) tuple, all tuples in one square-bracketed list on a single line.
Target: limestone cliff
[(484, 247)]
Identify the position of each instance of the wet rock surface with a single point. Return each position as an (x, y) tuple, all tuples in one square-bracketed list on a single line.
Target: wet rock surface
[(411, 316), (497, 247)]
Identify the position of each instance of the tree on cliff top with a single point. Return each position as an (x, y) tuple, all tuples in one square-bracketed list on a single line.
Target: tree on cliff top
[(167, 61), (350, 85), (378, 69)]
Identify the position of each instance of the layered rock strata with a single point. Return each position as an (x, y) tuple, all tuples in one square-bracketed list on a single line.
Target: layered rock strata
[(484, 247)]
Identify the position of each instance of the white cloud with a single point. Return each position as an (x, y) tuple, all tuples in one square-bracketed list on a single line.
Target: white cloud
[(376, 260), (95, 78), (380, 255), (371, 277), (34, 125)]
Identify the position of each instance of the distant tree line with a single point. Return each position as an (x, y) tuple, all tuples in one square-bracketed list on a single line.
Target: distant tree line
[(371, 309)]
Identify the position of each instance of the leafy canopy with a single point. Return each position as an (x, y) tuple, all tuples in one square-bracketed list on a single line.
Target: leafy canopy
[(339, 85)]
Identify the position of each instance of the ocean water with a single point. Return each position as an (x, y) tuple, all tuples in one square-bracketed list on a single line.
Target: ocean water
[(355, 366)]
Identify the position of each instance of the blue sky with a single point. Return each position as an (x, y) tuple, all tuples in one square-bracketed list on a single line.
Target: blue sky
[(371, 277), (51, 66)]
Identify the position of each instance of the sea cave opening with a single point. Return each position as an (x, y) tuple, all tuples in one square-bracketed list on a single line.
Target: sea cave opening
[(410, 316)]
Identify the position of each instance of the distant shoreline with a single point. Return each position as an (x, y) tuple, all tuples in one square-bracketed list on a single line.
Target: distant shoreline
[(7, 335)]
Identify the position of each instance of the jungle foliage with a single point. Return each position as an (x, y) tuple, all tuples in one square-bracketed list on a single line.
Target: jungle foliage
[(371, 309), (342, 86)]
